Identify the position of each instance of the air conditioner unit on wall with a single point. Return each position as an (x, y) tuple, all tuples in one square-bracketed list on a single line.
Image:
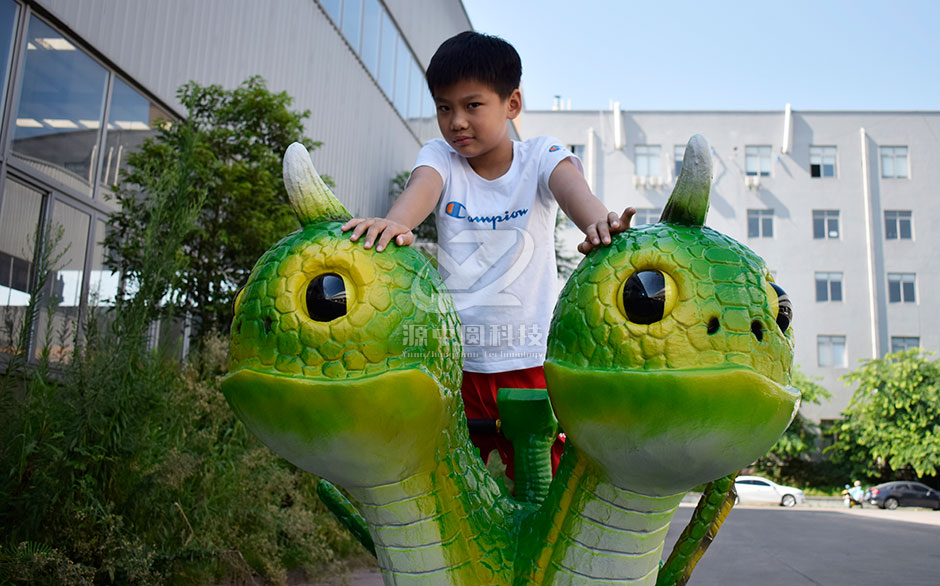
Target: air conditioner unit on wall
[(639, 181), (752, 182)]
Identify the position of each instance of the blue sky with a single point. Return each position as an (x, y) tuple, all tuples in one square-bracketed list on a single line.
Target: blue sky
[(722, 55)]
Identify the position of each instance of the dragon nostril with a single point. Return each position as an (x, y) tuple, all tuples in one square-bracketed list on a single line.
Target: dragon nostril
[(758, 330), (267, 325), (713, 325)]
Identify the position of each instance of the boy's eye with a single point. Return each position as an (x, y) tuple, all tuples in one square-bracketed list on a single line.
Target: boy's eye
[(473, 105), (442, 108)]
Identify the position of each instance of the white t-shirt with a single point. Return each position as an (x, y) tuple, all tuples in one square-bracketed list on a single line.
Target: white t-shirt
[(497, 251)]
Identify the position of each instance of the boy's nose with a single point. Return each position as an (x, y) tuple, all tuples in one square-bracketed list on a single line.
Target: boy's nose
[(458, 123)]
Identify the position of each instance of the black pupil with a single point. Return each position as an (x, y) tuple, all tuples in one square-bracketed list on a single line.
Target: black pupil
[(784, 308), (326, 297), (644, 297)]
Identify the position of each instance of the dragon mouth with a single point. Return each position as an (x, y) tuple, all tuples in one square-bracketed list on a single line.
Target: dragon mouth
[(664, 432), (360, 432)]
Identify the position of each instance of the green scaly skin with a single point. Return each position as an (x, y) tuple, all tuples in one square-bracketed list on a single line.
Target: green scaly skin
[(370, 403)]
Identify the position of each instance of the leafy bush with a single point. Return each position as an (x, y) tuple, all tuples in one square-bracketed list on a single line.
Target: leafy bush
[(124, 466)]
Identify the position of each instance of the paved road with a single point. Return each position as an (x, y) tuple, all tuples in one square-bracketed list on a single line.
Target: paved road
[(808, 546)]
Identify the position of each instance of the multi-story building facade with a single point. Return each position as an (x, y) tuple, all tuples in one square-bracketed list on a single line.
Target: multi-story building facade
[(839, 204), (82, 82)]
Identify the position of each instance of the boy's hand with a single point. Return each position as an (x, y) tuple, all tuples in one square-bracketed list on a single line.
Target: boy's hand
[(600, 232), (379, 228)]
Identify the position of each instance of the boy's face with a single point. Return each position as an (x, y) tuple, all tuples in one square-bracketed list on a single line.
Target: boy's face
[(472, 118)]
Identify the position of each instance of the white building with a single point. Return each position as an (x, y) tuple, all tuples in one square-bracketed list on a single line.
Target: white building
[(82, 81), (838, 204)]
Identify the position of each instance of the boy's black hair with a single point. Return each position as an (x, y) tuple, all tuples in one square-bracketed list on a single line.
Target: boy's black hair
[(478, 57)]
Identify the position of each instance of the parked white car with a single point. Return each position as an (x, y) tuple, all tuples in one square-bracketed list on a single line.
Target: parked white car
[(757, 490)]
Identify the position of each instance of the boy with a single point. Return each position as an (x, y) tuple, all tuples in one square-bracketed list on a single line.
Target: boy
[(496, 202)]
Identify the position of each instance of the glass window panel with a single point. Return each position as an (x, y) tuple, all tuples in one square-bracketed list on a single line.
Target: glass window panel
[(894, 290), (333, 9), (908, 291), (389, 40), (822, 289), (833, 225), (415, 92), (819, 229), (900, 162), (352, 22), (402, 69), (891, 225), (19, 220), (58, 322), (371, 22), (904, 225), (823, 351), (678, 153), (835, 290), (8, 12), (102, 283), (61, 102), (131, 119), (767, 225), (838, 351), (887, 164)]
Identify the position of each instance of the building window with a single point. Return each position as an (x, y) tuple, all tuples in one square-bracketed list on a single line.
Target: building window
[(825, 224), (8, 12), (902, 343), (822, 161), (19, 220), (830, 351), (678, 152), (646, 216), (757, 161), (59, 115), (373, 35), (901, 287), (647, 160), (760, 223), (577, 150), (828, 286), (132, 118), (894, 162), (898, 225)]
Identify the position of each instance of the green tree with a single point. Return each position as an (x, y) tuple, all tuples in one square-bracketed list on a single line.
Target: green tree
[(891, 427), (240, 136), (792, 455)]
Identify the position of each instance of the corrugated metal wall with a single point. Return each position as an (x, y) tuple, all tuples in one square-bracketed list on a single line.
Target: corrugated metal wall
[(295, 47)]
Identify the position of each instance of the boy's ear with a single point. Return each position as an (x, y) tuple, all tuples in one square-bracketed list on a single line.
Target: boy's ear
[(514, 104)]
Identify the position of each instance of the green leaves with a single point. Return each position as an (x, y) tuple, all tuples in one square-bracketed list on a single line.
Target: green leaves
[(233, 165), (894, 415)]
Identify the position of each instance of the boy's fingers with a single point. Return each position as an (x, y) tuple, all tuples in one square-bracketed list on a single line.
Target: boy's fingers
[(585, 247), (614, 220), (353, 222), (375, 230), (590, 234), (603, 232), (405, 239), (627, 216), (361, 227)]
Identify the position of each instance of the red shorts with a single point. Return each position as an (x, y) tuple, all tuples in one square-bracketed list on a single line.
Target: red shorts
[(479, 399)]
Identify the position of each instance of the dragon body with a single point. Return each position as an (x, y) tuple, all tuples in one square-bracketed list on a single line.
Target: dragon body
[(668, 367)]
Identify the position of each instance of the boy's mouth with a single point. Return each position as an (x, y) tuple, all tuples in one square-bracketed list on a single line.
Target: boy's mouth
[(462, 140)]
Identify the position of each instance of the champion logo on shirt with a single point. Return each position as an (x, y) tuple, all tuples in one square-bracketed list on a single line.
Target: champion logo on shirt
[(457, 210)]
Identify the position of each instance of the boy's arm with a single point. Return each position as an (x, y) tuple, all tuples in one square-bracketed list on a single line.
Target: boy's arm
[(414, 204), (574, 197)]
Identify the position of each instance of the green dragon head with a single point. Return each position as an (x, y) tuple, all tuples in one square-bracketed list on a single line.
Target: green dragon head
[(670, 350), (337, 349)]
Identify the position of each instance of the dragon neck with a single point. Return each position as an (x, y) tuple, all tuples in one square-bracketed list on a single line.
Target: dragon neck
[(426, 527), (591, 531)]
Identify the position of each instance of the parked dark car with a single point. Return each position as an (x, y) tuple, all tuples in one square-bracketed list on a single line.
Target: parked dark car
[(902, 493)]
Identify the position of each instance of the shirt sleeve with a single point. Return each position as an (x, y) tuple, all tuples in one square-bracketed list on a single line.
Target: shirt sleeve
[(553, 152), (436, 155)]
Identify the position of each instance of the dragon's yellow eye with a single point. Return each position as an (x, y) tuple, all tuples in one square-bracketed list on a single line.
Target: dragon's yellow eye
[(781, 305), (647, 296), (326, 297)]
